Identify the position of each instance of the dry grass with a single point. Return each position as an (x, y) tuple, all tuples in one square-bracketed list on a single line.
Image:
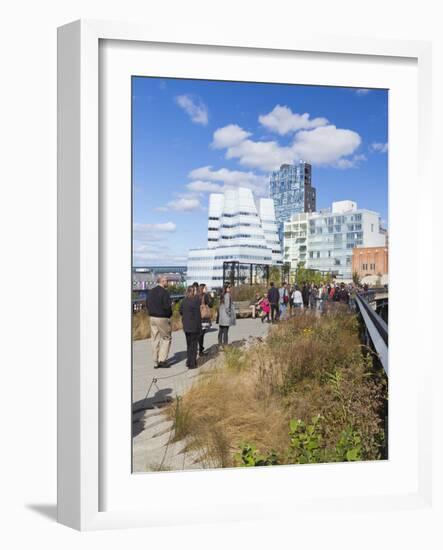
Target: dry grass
[(226, 408), (141, 327), (307, 366)]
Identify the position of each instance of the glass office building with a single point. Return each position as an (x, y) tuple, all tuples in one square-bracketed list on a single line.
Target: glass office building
[(237, 232), (291, 189), (325, 240)]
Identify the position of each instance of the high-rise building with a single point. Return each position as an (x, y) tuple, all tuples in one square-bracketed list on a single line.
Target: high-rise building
[(295, 240), (237, 232), (331, 236), (291, 189)]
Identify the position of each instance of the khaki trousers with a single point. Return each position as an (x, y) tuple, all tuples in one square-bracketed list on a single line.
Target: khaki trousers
[(160, 338)]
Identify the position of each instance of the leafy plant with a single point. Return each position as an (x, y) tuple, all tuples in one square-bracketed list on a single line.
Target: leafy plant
[(306, 441), (348, 448), (250, 456), (335, 380)]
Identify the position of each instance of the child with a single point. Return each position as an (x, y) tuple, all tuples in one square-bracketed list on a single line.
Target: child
[(265, 307)]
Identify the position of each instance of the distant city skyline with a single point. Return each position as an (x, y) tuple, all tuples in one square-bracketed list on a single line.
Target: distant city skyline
[(194, 137)]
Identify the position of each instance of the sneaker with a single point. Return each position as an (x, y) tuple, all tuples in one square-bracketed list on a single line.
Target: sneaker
[(156, 365)]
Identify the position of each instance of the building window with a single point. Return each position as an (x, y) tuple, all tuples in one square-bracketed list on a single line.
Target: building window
[(372, 227)]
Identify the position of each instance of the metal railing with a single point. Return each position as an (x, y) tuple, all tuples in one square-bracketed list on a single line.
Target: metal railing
[(376, 327)]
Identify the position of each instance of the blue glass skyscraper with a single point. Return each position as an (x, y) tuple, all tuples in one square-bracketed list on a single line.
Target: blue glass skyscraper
[(291, 189)]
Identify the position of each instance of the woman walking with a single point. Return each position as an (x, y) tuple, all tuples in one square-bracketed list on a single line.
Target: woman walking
[(206, 314), (297, 299), (226, 316), (192, 324)]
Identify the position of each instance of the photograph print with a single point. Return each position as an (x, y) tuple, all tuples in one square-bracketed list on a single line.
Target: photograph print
[(260, 287)]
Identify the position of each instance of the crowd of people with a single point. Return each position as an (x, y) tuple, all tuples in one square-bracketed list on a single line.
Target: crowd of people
[(196, 313), (287, 300)]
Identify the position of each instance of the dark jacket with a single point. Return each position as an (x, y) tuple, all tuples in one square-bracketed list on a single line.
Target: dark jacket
[(158, 303), (305, 294), (343, 296), (190, 312), (273, 295)]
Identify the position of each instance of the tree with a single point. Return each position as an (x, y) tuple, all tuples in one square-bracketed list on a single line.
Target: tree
[(275, 275), (285, 271), (356, 278)]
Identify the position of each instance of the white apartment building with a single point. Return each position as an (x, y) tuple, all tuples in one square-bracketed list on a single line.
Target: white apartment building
[(237, 232), (324, 240), (295, 240)]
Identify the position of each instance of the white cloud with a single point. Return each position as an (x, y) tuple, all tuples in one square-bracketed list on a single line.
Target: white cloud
[(282, 120), (182, 204), (194, 107), (200, 186), (379, 147), (321, 145), (352, 162), (229, 136), (150, 242), (152, 231), (326, 144), (362, 91), (265, 155), (231, 178), (155, 254)]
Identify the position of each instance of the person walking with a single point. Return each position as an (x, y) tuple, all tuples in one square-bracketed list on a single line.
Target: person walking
[(206, 315), (226, 316), (343, 295), (192, 324), (291, 302), (159, 306), (297, 299), (305, 295), (313, 294), (274, 299), (284, 300)]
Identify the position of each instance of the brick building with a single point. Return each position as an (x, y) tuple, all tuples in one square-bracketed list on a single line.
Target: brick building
[(372, 260)]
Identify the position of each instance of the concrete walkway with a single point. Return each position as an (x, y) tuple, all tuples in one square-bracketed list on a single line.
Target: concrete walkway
[(154, 447), (152, 387)]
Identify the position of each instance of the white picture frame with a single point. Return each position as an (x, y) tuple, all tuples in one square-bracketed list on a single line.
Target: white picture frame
[(81, 396)]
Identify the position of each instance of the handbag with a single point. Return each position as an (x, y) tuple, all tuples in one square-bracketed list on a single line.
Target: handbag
[(205, 310)]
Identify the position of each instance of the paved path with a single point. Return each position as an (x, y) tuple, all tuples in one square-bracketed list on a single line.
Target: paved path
[(175, 379), (153, 445)]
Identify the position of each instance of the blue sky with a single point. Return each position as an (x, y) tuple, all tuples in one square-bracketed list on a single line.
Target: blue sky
[(191, 137)]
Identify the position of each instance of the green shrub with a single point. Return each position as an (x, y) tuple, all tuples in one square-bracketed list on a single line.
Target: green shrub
[(249, 456)]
